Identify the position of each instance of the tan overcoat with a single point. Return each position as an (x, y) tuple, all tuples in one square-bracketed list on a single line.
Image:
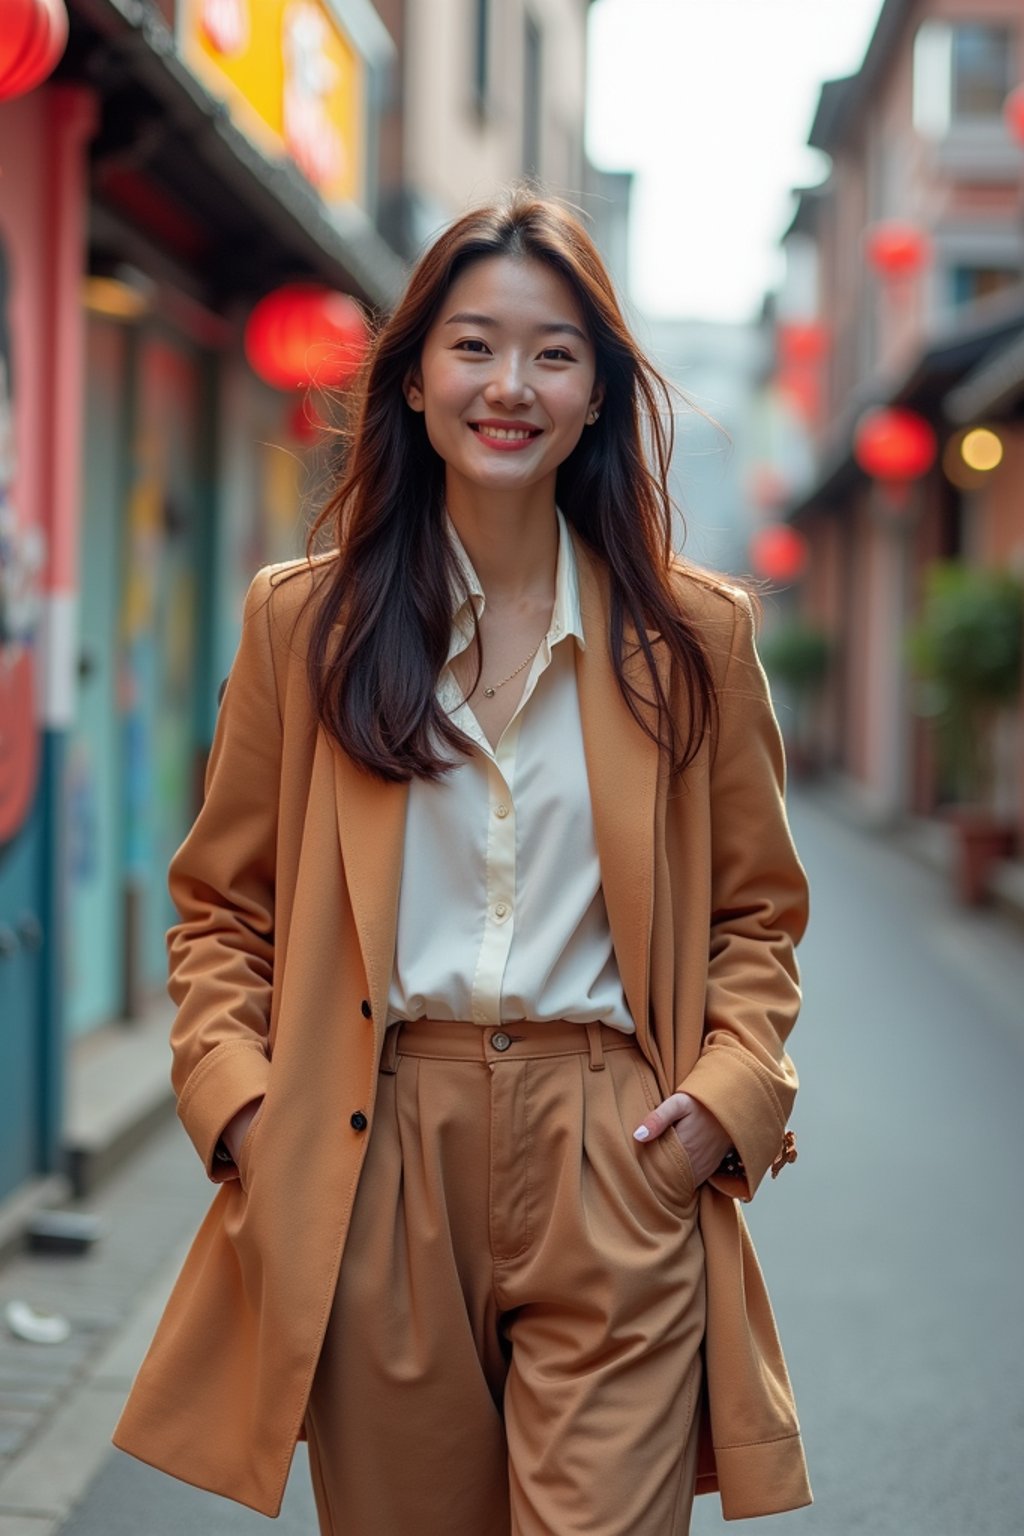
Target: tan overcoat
[(287, 888)]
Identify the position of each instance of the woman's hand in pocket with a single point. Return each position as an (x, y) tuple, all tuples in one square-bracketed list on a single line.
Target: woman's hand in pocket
[(702, 1137), (237, 1128)]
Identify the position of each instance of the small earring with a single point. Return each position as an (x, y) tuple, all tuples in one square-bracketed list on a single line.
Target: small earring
[(592, 417)]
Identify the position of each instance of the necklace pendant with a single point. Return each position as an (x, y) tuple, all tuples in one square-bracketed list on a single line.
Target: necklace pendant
[(488, 693)]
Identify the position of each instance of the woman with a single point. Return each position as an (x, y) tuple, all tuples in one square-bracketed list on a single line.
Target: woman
[(485, 963)]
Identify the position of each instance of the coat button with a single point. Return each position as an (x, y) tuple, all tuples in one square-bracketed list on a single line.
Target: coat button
[(365, 1009), (358, 1121)]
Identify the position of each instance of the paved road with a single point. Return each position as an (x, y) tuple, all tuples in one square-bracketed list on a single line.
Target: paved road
[(894, 1248)]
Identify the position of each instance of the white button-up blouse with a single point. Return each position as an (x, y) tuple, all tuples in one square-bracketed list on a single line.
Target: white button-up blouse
[(501, 914)]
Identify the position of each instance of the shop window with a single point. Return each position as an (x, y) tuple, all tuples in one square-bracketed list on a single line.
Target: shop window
[(532, 103), (981, 74), (962, 74), (970, 283)]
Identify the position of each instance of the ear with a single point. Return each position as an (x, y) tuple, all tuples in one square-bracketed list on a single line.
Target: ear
[(412, 388), (596, 397)]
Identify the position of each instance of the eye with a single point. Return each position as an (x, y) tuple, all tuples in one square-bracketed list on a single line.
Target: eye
[(471, 344), (557, 355)]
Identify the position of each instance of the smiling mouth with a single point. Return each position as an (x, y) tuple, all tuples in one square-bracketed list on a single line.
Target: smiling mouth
[(505, 434)]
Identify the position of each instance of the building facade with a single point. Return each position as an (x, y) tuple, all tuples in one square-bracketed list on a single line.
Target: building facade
[(489, 92), (922, 145)]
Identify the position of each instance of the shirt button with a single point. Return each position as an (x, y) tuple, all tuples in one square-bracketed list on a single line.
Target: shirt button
[(501, 911), (501, 810), (358, 1121)]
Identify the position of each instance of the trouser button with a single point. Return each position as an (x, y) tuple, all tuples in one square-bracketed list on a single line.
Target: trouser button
[(501, 1041)]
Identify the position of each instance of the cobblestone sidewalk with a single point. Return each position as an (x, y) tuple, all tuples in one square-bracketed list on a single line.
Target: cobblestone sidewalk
[(59, 1402)]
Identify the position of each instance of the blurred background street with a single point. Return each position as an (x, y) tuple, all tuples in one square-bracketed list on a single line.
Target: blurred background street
[(815, 216)]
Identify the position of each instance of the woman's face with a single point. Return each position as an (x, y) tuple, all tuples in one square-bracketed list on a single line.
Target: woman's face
[(507, 375)]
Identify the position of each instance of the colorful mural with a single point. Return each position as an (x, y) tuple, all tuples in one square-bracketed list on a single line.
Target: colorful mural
[(21, 561)]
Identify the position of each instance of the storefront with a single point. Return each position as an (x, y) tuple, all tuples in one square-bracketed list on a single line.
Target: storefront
[(43, 143), (167, 176)]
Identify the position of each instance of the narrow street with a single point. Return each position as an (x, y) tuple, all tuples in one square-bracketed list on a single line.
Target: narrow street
[(893, 1248)]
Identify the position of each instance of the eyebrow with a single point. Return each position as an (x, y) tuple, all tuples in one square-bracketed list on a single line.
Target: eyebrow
[(548, 329)]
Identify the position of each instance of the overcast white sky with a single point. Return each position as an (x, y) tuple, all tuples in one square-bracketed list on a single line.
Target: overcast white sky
[(710, 102)]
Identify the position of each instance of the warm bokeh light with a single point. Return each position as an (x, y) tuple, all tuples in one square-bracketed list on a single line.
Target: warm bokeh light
[(982, 449), (113, 299)]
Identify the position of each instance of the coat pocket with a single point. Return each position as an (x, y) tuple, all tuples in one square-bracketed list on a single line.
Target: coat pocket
[(243, 1162), (664, 1159)]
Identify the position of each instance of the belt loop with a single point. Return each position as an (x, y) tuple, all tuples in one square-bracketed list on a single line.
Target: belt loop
[(389, 1055), (596, 1047)]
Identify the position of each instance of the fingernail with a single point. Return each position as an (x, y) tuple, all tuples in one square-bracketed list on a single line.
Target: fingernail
[(641, 1133)]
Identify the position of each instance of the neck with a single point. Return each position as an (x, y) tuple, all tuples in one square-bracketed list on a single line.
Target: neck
[(512, 540)]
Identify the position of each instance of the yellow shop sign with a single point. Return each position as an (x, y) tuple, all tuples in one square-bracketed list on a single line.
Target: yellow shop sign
[(291, 78)]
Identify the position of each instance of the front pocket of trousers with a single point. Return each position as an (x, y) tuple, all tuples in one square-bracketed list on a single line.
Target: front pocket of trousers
[(681, 1186)]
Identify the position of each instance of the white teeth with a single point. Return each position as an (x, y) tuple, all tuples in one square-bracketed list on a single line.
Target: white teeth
[(505, 434)]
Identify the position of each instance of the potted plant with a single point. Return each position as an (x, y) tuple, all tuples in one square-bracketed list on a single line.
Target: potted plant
[(966, 650), (797, 656)]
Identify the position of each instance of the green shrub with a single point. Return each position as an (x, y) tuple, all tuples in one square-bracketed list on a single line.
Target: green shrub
[(966, 650), (797, 655)]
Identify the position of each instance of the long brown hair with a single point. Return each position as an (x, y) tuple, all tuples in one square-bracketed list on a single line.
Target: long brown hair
[(391, 581)]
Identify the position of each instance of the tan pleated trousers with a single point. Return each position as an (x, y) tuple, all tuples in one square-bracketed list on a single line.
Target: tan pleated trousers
[(514, 1345)]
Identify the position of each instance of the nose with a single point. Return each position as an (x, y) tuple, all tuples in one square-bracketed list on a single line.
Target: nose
[(508, 384)]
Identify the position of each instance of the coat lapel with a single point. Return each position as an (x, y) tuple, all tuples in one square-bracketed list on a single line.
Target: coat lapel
[(622, 771), (371, 830)]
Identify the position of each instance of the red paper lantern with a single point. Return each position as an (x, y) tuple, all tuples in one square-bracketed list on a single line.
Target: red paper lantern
[(33, 35), (896, 249), (779, 553), (1013, 112), (802, 342), (304, 334), (894, 445)]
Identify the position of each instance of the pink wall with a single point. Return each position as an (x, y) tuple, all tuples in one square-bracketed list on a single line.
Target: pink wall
[(42, 224), (23, 156)]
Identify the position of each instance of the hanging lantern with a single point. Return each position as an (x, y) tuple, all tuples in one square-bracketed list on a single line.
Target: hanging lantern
[(801, 342), (304, 334), (894, 445), (896, 249), (801, 347), (778, 552), (33, 35), (1013, 113)]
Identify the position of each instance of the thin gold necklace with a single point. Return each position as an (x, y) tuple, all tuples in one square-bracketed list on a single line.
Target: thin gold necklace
[(492, 690)]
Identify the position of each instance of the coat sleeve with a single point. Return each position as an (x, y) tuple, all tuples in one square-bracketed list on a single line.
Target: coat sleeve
[(221, 952), (759, 906)]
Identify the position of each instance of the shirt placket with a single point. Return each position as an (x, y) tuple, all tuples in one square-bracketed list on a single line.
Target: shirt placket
[(500, 870)]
